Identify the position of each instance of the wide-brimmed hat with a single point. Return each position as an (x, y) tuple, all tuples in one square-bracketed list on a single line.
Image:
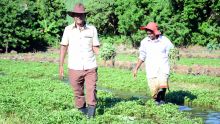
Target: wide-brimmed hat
[(78, 8), (151, 26)]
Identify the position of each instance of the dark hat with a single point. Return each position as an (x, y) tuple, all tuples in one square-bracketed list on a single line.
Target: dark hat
[(78, 8)]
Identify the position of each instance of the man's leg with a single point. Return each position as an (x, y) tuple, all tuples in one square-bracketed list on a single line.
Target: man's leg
[(161, 95), (163, 82), (154, 87), (91, 79), (77, 82)]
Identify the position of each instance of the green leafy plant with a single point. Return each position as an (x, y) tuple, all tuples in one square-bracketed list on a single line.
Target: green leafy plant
[(213, 46), (174, 56), (107, 52), (31, 25)]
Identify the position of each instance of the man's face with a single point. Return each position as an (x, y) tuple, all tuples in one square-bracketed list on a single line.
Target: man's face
[(150, 34), (79, 18)]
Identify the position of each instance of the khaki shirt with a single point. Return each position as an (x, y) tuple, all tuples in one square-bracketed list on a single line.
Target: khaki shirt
[(80, 43)]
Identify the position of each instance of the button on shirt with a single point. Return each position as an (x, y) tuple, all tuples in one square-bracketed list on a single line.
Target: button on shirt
[(155, 54), (80, 43)]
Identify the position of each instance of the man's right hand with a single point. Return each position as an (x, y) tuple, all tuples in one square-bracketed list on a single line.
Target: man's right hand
[(61, 74), (135, 73)]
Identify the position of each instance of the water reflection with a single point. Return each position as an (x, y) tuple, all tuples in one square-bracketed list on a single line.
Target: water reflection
[(209, 116)]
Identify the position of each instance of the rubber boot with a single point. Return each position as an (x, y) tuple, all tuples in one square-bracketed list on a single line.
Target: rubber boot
[(163, 93), (91, 111), (83, 109), (161, 96)]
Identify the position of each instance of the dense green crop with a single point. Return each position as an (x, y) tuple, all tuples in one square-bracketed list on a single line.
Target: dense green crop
[(31, 93), (185, 22)]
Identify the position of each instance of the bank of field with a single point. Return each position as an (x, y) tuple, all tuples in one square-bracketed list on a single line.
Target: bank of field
[(214, 62), (31, 93)]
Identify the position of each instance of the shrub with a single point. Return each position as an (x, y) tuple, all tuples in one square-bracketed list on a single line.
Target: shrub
[(31, 24), (107, 51)]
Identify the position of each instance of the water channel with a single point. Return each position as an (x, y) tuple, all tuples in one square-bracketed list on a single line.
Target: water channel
[(209, 116)]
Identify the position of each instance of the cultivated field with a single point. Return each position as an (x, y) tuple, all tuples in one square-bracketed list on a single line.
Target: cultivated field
[(32, 93)]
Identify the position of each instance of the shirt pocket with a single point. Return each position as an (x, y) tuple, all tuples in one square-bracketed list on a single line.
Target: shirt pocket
[(88, 40)]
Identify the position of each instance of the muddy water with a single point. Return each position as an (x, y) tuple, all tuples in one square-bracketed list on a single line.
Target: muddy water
[(209, 116), (124, 95)]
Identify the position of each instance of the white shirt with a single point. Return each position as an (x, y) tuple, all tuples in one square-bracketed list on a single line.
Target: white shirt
[(80, 43), (155, 54)]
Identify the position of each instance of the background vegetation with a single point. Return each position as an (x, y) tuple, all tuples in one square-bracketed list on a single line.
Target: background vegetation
[(31, 25), (34, 24)]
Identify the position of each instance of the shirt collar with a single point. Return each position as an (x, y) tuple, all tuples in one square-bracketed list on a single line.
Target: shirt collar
[(155, 40), (83, 28)]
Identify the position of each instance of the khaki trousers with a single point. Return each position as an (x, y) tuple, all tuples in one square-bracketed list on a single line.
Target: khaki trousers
[(156, 83), (79, 79)]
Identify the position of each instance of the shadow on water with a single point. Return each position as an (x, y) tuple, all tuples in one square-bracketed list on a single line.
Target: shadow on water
[(178, 97), (120, 96), (209, 116), (183, 98)]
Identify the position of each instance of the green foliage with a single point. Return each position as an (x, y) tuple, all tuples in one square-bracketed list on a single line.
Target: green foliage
[(107, 51), (199, 61), (102, 15), (35, 24), (32, 94), (174, 56), (213, 46), (28, 25), (185, 22), (122, 39)]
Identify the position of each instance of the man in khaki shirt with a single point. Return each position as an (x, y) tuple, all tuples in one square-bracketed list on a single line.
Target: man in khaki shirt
[(82, 43)]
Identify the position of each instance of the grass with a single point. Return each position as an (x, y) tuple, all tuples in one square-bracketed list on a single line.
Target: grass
[(31, 93), (126, 57), (182, 61), (199, 61)]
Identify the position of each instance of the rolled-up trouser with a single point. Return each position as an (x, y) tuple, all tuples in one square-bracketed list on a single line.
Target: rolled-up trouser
[(79, 78), (156, 83)]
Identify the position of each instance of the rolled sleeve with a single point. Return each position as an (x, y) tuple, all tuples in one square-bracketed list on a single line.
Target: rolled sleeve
[(65, 40), (142, 51), (95, 40)]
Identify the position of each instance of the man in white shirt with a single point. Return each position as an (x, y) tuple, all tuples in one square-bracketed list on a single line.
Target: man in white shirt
[(82, 42), (154, 50)]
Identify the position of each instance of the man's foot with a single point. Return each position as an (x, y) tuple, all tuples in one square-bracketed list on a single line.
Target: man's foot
[(156, 102), (83, 110), (91, 111), (161, 102)]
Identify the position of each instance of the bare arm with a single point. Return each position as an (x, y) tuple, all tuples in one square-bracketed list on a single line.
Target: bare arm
[(95, 49), (137, 67), (63, 49)]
